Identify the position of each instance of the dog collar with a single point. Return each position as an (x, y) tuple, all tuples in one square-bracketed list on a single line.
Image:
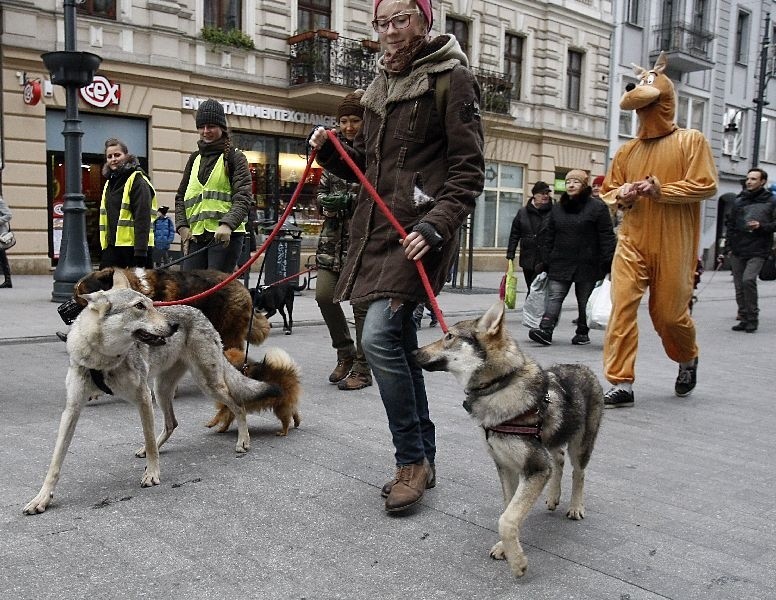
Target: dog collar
[(98, 378), (492, 387)]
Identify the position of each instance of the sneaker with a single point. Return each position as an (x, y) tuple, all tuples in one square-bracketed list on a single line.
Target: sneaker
[(433, 323), (386, 489), (62, 335), (686, 380), (355, 381), (618, 398), (411, 482), (581, 339), (341, 370), (541, 336), (740, 327)]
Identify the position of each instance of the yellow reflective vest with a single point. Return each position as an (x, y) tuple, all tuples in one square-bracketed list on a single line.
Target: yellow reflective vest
[(207, 204), (125, 229)]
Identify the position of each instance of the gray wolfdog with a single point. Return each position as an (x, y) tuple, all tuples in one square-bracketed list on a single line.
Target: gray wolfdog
[(528, 414), (119, 342)]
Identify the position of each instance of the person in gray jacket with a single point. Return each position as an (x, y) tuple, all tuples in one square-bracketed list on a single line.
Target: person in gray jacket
[(750, 224), (421, 145)]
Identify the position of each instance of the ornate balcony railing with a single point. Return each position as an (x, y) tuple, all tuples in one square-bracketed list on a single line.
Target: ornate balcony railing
[(495, 90), (684, 37), (325, 57)]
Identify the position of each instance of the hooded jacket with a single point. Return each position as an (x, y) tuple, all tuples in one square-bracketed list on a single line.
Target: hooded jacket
[(751, 206), (427, 167), (528, 228)]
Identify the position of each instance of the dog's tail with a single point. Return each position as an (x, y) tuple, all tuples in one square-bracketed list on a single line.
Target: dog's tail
[(244, 389), (260, 328)]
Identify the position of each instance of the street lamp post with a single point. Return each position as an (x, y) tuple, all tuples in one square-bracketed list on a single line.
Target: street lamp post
[(72, 70), (760, 100)]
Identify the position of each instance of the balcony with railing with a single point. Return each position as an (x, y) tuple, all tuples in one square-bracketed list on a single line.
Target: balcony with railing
[(688, 48), (325, 57), (495, 90)]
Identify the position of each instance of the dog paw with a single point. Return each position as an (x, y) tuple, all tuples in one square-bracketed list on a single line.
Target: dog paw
[(576, 513), (242, 447), (519, 565), (38, 504), (552, 502), (150, 479), (281, 432), (140, 452), (497, 552)]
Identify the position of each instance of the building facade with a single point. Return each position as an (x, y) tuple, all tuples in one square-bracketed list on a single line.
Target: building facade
[(279, 68)]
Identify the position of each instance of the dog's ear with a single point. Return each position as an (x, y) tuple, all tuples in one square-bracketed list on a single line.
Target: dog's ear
[(491, 321), (97, 301), (120, 281)]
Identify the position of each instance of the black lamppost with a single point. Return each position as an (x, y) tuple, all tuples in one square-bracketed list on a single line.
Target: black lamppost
[(72, 70)]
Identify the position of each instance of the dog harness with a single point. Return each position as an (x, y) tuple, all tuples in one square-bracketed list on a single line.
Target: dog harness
[(529, 423)]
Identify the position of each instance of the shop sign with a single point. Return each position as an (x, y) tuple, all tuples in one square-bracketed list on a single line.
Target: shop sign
[(32, 92), (101, 92), (270, 113)]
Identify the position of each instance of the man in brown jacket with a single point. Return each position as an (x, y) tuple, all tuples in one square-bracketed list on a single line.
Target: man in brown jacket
[(425, 158)]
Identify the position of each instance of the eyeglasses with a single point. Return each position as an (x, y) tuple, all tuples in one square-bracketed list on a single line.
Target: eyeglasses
[(399, 21)]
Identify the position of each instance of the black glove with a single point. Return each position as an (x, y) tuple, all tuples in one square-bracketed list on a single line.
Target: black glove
[(140, 260), (431, 235), (510, 257)]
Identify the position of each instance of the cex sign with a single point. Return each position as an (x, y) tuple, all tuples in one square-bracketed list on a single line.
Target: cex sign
[(101, 92)]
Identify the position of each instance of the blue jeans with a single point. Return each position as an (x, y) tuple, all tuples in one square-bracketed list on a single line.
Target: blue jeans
[(389, 339)]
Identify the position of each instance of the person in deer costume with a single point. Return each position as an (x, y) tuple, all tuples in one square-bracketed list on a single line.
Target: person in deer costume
[(659, 179)]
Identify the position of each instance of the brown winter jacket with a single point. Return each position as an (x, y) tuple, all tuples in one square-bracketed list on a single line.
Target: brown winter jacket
[(405, 144)]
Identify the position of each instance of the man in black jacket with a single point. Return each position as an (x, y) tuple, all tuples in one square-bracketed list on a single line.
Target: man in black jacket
[(529, 224), (750, 225)]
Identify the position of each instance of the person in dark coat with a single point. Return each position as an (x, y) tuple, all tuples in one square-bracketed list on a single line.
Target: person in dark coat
[(214, 196), (528, 227), (750, 224), (578, 249), (421, 145)]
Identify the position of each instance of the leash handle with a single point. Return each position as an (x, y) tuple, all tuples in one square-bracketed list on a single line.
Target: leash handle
[(396, 225)]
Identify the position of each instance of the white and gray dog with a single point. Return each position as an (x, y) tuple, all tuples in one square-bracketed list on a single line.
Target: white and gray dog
[(118, 344)]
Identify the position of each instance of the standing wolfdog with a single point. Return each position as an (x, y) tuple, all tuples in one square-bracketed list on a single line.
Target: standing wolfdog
[(528, 414), (119, 342)]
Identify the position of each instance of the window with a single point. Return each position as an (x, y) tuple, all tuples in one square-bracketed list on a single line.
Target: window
[(502, 196), (768, 140), (313, 14), (224, 14), (690, 112), (98, 8), (733, 122), (742, 38), (573, 79), (513, 62), (699, 14), (633, 12), (459, 29)]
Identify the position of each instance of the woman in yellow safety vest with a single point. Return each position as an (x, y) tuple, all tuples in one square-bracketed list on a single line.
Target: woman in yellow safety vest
[(126, 211), (214, 195)]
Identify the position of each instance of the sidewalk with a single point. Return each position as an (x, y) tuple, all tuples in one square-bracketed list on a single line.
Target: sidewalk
[(678, 492)]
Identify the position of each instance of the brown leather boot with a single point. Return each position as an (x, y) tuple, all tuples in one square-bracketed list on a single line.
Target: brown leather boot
[(355, 381), (341, 370), (411, 482), (386, 489)]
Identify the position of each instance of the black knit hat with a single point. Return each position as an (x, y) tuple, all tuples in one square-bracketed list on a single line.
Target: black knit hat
[(351, 105), (210, 112)]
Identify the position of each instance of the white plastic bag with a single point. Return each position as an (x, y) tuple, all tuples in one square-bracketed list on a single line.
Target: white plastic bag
[(533, 309), (599, 305)]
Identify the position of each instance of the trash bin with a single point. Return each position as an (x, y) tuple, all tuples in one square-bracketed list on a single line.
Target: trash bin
[(284, 255)]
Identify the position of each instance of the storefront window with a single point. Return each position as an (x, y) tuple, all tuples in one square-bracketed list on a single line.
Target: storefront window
[(277, 165), (502, 197)]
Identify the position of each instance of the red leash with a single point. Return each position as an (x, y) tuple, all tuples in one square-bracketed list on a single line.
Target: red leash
[(256, 254), (396, 225)]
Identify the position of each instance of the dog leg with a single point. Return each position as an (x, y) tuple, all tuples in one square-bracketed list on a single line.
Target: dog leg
[(243, 437), (165, 385), (285, 415), (553, 491), (76, 398), (528, 491), (223, 418), (286, 326), (577, 504), (151, 475)]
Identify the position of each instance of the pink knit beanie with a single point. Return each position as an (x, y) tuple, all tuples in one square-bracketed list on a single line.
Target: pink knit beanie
[(423, 5)]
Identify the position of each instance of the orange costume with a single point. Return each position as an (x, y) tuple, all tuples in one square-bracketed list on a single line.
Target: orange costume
[(659, 179)]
